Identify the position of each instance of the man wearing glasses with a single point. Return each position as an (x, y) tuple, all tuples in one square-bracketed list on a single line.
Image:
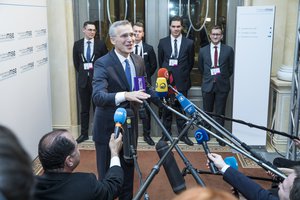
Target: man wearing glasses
[(113, 85), (85, 52), (216, 62)]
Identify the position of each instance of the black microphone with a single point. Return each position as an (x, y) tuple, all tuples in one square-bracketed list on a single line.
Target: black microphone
[(129, 137), (171, 168), (119, 118), (202, 138)]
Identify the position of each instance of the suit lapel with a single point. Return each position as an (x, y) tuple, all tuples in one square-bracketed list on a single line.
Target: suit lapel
[(221, 54), (119, 68), (182, 47), (136, 67)]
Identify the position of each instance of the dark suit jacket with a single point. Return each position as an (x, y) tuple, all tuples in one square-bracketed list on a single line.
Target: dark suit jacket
[(186, 55), (78, 50), (150, 60), (247, 187), (110, 78), (226, 64), (79, 186)]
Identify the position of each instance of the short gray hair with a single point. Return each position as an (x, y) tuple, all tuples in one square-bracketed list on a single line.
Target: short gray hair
[(113, 26)]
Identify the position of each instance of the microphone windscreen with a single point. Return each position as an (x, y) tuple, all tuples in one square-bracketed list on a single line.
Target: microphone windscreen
[(120, 115), (139, 83), (232, 162), (201, 136), (171, 168), (163, 72), (161, 87), (187, 106)]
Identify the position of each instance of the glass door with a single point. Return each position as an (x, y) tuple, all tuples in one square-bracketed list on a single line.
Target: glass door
[(105, 12)]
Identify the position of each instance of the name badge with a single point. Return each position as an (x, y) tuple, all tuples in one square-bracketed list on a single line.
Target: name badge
[(215, 71), (87, 66), (173, 62)]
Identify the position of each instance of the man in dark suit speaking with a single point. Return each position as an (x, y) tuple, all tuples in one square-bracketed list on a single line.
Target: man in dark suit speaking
[(112, 88), (176, 53), (85, 52), (59, 156), (216, 62)]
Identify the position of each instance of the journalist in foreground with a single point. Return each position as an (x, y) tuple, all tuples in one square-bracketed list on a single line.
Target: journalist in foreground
[(59, 156), (289, 189)]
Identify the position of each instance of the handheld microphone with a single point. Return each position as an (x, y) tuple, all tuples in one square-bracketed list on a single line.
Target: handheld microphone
[(139, 83), (232, 162), (161, 87), (119, 118), (202, 137), (187, 106), (171, 168), (129, 137)]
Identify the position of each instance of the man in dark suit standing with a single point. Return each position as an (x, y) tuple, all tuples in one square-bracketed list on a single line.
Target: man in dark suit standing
[(112, 88), (176, 53), (216, 62), (85, 52), (59, 156), (146, 51)]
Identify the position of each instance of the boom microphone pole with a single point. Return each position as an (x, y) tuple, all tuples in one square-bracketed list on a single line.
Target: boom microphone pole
[(254, 156), (174, 142)]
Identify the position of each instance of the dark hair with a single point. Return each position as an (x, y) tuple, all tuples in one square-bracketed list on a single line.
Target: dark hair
[(139, 24), (88, 22), (54, 149), (295, 191), (176, 18), (15, 167), (216, 27)]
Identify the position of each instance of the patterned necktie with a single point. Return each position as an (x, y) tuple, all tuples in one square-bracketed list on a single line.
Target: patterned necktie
[(175, 49), (216, 57), (88, 51), (128, 73), (136, 49)]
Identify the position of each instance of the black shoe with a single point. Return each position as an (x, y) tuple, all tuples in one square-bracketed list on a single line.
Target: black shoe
[(82, 138), (163, 138), (149, 140), (187, 140), (221, 143)]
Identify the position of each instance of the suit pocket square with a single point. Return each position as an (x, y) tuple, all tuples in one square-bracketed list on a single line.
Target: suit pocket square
[(145, 53)]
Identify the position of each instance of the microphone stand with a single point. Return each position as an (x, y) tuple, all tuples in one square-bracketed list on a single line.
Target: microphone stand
[(174, 142), (236, 142), (137, 167)]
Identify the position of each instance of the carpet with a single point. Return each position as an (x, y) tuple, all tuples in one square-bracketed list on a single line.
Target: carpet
[(160, 187)]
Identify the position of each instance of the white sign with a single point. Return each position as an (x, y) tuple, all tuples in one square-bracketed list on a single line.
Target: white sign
[(253, 56)]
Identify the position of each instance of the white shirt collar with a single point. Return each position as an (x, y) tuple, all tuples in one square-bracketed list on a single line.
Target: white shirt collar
[(122, 58), (92, 40)]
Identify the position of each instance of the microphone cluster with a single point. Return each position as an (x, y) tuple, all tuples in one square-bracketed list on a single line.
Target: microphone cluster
[(165, 84)]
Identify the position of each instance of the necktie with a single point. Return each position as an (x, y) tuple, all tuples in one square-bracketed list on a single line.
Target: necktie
[(88, 51), (216, 56), (136, 49), (128, 73), (175, 49)]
